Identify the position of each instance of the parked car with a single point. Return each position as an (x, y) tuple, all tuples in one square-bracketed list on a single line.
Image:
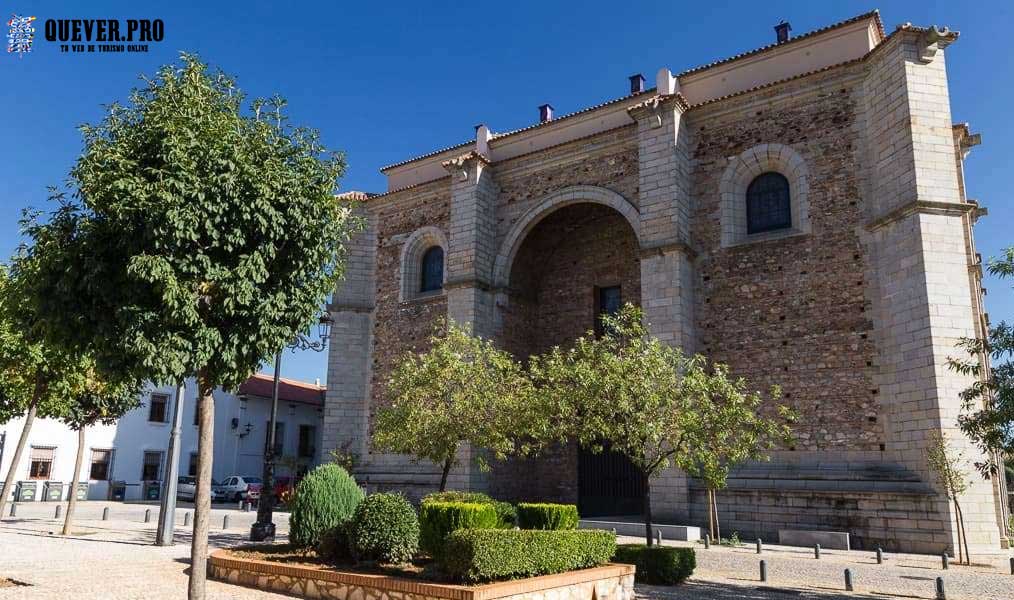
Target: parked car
[(241, 487), (186, 489)]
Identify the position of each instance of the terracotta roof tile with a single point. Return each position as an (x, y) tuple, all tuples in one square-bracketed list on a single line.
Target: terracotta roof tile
[(289, 390)]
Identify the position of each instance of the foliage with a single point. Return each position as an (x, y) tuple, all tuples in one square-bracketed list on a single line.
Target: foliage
[(988, 415), (333, 547), (385, 529), (478, 555), (658, 565), (950, 467), (463, 390), (344, 457), (547, 516), (507, 514), (325, 499), (438, 519)]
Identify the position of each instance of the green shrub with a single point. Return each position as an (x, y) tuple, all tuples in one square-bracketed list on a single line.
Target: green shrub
[(437, 519), (507, 514), (547, 516), (385, 529), (478, 555), (333, 546), (325, 499), (658, 565)]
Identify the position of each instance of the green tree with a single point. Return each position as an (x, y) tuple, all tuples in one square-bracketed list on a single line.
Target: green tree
[(988, 415), (949, 465), (463, 390), (733, 429), (97, 401), (627, 389), (200, 234)]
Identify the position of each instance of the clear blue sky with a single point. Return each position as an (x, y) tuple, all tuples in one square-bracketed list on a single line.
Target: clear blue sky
[(384, 81)]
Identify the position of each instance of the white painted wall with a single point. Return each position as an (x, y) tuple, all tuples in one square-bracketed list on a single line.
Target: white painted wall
[(236, 451)]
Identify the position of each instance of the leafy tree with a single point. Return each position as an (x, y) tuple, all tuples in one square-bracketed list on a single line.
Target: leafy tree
[(949, 465), (200, 233), (628, 389), (734, 429), (988, 417), (97, 401), (463, 390)]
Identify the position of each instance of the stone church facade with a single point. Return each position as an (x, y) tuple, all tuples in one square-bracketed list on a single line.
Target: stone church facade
[(797, 212)]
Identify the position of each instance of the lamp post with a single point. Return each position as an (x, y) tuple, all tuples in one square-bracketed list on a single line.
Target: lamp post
[(264, 528)]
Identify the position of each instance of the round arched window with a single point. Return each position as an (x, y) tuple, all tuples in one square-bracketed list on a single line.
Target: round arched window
[(768, 206), (432, 270)]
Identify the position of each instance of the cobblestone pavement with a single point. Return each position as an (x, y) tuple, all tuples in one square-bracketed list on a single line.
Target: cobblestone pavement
[(115, 560)]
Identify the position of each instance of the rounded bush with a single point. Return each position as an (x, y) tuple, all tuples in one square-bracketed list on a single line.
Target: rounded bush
[(325, 499), (385, 529), (333, 547)]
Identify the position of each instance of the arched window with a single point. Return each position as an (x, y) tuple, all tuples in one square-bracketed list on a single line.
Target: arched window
[(768, 205), (432, 270)]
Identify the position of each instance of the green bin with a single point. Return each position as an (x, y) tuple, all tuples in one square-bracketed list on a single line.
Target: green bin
[(117, 490), (52, 491), (152, 490), (82, 490), (25, 491)]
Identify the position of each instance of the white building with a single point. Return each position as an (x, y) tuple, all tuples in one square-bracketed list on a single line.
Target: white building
[(133, 451)]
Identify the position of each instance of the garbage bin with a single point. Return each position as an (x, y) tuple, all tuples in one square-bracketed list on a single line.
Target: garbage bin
[(25, 491), (52, 491), (152, 490), (82, 490), (117, 490)]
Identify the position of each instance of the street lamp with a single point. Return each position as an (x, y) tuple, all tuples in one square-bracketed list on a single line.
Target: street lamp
[(264, 528)]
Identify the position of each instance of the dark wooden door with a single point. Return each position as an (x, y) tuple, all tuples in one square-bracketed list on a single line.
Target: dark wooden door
[(608, 484)]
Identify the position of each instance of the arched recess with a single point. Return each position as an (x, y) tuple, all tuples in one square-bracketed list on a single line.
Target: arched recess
[(571, 195), (737, 176), (412, 252)]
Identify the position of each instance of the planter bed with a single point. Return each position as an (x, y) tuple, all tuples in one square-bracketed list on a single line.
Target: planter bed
[(305, 577)]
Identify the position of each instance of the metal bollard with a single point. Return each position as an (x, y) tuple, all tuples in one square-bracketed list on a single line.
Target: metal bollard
[(707, 541), (760, 545), (240, 507), (1012, 565), (186, 519), (14, 509), (941, 593), (614, 530), (945, 560), (246, 507), (56, 513), (880, 555), (147, 515), (816, 551), (658, 537), (225, 522), (848, 580), (763, 571), (105, 514)]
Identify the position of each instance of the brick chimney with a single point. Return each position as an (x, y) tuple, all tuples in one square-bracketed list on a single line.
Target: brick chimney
[(636, 84), (782, 31), (545, 113)]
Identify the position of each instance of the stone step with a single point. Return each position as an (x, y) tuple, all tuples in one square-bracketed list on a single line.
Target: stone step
[(682, 533)]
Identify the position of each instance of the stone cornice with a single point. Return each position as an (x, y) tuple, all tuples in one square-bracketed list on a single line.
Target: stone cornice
[(467, 282), (922, 207), (355, 307), (460, 164), (661, 249), (653, 107)]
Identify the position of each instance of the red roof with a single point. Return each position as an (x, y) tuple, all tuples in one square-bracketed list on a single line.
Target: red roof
[(289, 390)]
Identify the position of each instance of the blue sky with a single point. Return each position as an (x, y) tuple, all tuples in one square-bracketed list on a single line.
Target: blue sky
[(385, 82)]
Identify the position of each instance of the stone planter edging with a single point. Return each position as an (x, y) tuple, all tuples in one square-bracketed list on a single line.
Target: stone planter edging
[(610, 582)]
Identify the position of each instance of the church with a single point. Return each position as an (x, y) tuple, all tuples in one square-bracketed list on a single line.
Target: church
[(797, 211)]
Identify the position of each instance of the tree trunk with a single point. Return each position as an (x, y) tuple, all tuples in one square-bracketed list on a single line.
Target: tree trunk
[(714, 508), (68, 521), (711, 515), (647, 510), (22, 442), (964, 535), (202, 496), (446, 471)]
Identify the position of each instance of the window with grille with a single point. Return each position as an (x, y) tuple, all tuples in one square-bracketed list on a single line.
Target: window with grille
[(307, 437), (101, 461), (42, 462), (608, 301), (768, 205), (151, 468), (157, 408), (192, 465), (432, 270)]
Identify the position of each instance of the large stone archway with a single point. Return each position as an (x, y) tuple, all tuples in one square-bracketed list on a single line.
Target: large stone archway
[(572, 258)]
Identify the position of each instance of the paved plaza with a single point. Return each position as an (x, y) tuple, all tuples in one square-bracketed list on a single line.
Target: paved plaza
[(115, 560)]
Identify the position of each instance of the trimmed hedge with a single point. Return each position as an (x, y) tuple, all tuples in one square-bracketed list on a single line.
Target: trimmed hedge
[(547, 516), (438, 519), (333, 546), (385, 529), (325, 499), (507, 514), (479, 555), (658, 565)]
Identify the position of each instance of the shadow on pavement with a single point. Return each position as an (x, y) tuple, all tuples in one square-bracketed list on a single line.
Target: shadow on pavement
[(707, 590)]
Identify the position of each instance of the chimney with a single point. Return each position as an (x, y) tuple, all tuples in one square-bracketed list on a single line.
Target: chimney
[(782, 31), (545, 113), (636, 84)]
